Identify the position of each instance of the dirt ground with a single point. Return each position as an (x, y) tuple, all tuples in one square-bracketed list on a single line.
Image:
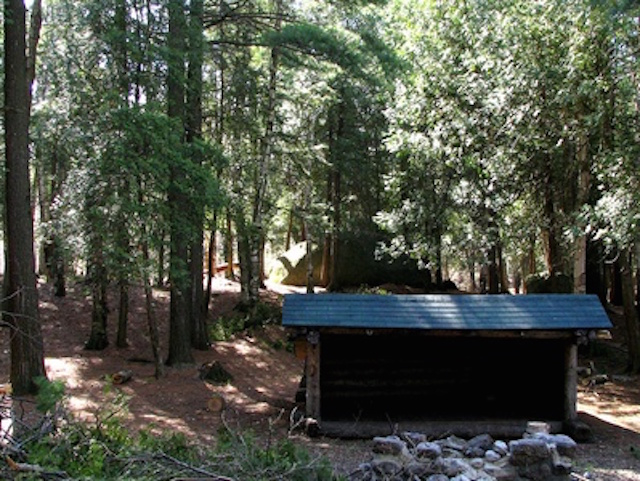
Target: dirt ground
[(265, 379)]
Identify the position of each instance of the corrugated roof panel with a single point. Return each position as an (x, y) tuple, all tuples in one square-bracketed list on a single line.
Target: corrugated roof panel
[(446, 312)]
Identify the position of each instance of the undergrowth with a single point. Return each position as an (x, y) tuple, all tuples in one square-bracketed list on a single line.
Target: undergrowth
[(244, 318), (103, 449)]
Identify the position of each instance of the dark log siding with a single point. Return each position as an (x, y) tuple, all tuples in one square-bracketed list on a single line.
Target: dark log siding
[(394, 377)]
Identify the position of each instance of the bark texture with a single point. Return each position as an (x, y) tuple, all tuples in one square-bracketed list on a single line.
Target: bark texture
[(27, 356)]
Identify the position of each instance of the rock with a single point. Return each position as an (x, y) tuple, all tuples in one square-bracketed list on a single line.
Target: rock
[(491, 456), (476, 452), (413, 438), (501, 473), (460, 477), (528, 451), (536, 427), (453, 442), (427, 450), (535, 457), (391, 445), (501, 448), (566, 446), (579, 431), (452, 453), (387, 466), (536, 471), (416, 468), (483, 441), (453, 466), (438, 477)]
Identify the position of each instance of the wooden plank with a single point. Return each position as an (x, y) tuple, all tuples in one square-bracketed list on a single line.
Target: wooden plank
[(510, 428), (481, 334), (571, 382), (313, 375)]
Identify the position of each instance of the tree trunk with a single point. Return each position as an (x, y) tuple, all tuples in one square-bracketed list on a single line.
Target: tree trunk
[(230, 249), (502, 270), (630, 313), (492, 272), (580, 247), (211, 265), (438, 243), (199, 332), (21, 310), (98, 337), (152, 323), (334, 255), (179, 327), (552, 247), (256, 230), (123, 313), (287, 244), (325, 276), (244, 257), (615, 284), (161, 250)]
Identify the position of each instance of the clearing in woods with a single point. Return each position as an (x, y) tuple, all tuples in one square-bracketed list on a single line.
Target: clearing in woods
[(265, 378)]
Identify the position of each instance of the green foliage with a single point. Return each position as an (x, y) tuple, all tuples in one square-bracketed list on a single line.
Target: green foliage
[(50, 394), (243, 318), (542, 283), (105, 450), (247, 459)]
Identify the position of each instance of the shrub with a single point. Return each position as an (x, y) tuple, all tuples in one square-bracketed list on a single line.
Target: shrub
[(105, 450)]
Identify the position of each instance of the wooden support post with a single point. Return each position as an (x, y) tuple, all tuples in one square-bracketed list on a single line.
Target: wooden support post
[(313, 375), (570, 382)]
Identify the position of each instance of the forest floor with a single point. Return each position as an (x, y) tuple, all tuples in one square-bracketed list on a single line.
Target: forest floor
[(265, 379)]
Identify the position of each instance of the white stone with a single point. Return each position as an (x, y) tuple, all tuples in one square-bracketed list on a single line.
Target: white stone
[(500, 447), (428, 450), (492, 456)]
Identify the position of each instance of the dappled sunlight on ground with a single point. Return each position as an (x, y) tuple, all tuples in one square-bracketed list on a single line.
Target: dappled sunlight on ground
[(260, 397), (614, 402)]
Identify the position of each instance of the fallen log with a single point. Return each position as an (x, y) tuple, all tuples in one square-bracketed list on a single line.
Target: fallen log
[(121, 377)]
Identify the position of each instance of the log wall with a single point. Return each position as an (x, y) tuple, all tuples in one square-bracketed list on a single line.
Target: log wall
[(397, 377)]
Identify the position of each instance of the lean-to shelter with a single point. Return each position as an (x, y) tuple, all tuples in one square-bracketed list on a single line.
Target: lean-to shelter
[(460, 363)]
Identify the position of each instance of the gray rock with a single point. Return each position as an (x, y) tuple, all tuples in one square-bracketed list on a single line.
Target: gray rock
[(500, 447), (566, 446), (413, 438), (428, 450), (386, 466), (501, 473), (453, 442), (460, 477), (492, 456), (477, 463), (536, 472), (438, 477), (474, 452), (416, 468), (392, 445), (453, 466), (528, 451), (452, 453), (484, 441)]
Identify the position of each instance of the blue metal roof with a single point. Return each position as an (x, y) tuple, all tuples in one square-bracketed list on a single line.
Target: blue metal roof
[(445, 312)]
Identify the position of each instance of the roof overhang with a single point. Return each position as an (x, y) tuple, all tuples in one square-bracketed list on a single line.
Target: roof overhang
[(440, 312)]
